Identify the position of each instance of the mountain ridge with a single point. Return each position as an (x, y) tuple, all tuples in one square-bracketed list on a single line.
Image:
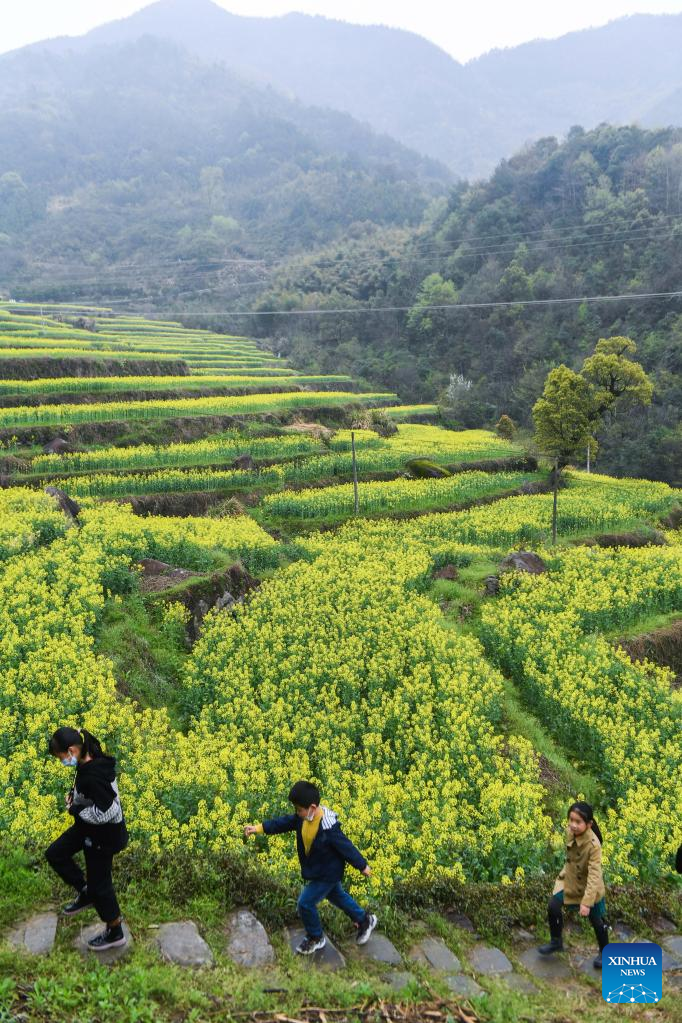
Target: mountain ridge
[(468, 116)]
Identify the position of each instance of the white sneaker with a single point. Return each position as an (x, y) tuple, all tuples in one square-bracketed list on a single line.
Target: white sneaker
[(365, 929), (310, 945)]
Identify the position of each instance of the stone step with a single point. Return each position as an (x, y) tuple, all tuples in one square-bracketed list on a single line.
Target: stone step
[(674, 945), (327, 958), (181, 943), (585, 964), (435, 953), (517, 982), (462, 985), (554, 967), (381, 950), (35, 935), (670, 962), (398, 980), (111, 955), (489, 961), (248, 944)]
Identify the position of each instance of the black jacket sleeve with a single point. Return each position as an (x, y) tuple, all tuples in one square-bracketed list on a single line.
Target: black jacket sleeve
[(345, 848), (278, 825)]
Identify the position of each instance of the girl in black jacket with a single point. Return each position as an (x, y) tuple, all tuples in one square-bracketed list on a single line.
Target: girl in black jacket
[(98, 829)]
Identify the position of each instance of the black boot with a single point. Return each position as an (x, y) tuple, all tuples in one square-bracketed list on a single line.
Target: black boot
[(556, 923), (601, 929)]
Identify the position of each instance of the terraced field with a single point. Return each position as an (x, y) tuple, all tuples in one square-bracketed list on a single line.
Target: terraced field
[(450, 710)]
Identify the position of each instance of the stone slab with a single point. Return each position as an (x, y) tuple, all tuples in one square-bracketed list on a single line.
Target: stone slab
[(248, 944), (181, 943), (460, 920), (585, 964), (398, 980), (435, 953), (327, 958), (111, 955), (35, 935), (674, 945), (622, 932), (381, 949), (517, 982), (675, 982), (489, 961), (462, 985), (670, 962), (663, 925), (552, 967), (521, 934)]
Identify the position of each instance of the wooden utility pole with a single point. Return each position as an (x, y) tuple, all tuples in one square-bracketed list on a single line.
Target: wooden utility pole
[(356, 502), (555, 491)]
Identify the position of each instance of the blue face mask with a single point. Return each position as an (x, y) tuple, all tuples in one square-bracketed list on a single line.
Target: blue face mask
[(71, 761)]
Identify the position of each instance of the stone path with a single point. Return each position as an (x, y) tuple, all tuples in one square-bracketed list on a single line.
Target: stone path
[(111, 955), (435, 953), (181, 943), (247, 944), (547, 968), (327, 958), (35, 935), (670, 962), (489, 961), (381, 950)]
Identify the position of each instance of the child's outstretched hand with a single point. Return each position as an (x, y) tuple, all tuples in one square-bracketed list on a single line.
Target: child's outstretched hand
[(367, 871), (250, 829)]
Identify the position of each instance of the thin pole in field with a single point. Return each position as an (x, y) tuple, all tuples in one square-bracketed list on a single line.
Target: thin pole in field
[(356, 502), (555, 490)]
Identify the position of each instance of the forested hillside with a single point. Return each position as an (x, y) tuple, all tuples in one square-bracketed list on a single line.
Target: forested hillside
[(599, 215), (139, 155)]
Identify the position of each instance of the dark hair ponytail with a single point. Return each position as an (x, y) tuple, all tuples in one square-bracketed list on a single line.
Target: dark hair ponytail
[(65, 737), (585, 811)]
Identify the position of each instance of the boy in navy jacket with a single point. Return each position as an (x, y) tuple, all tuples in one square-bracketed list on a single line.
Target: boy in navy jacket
[(323, 851)]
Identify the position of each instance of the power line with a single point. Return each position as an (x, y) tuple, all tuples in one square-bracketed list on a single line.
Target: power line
[(364, 310)]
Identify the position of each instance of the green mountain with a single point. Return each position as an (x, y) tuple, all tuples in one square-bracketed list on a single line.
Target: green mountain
[(136, 165), (468, 116)]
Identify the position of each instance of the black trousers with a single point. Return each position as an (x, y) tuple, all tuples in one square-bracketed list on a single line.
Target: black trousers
[(555, 917), (98, 862)]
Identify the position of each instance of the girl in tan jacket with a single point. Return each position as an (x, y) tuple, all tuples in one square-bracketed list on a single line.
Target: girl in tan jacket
[(580, 882)]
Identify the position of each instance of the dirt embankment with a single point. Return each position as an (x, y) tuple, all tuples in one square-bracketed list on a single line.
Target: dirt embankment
[(169, 431), (662, 646), (39, 368)]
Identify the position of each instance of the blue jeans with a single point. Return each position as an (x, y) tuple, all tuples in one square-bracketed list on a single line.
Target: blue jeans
[(316, 891)]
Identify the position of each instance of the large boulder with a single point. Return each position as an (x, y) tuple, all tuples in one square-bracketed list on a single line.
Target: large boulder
[(58, 446), (70, 508), (523, 561), (243, 462)]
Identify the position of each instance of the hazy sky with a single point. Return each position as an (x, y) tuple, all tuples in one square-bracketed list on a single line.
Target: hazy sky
[(463, 30)]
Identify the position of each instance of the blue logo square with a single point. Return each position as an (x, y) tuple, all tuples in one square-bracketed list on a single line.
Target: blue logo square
[(632, 972)]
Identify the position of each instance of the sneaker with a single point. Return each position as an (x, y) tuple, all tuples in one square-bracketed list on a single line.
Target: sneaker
[(112, 937), (553, 946), (81, 902), (365, 928), (310, 945)]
